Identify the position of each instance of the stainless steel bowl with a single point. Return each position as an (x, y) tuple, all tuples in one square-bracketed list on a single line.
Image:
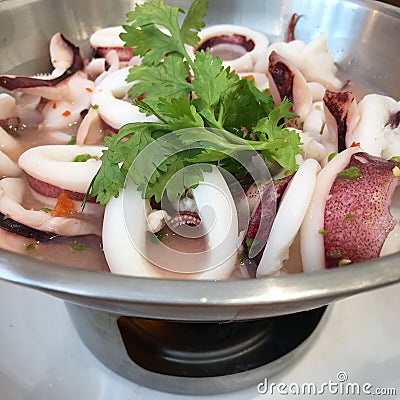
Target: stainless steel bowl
[(363, 36)]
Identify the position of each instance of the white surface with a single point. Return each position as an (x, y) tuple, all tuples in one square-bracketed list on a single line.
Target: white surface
[(42, 358)]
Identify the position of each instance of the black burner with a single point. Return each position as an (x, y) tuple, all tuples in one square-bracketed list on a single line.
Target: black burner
[(211, 349)]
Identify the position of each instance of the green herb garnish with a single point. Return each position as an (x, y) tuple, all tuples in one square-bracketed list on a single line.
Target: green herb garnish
[(157, 237), (350, 173), (332, 156), (161, 234), (78, 247), (12, 132), (84, 157), (250, 243), (335, 254), (31, 247), (72, 140), (46, 209), (214, 97), (349, 217)]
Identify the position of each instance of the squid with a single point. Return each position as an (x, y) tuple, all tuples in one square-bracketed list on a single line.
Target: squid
[(341, 116), (287, 81), (107, 39), (8, 106), (376, 130), (353, 199), (242, 49), (313, 60), (67, 61), (38, 224), (108, 97), (127, 246), (52, 170), (291, 212)]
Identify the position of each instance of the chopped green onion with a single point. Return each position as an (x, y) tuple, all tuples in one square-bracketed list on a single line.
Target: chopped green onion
[(84, 157), (350, 173), (78, 247), (31, 247), (72, 140)]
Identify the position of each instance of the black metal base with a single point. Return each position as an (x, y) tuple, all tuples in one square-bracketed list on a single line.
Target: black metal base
[(210, 349), (194, 358)]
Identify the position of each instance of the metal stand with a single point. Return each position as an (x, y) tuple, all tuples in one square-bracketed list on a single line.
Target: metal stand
[(195, 358)]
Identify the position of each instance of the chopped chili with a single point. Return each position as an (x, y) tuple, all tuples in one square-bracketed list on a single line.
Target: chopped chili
[(64, 207)]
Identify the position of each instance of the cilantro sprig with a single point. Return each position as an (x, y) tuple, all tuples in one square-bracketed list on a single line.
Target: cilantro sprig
[(184, 93)]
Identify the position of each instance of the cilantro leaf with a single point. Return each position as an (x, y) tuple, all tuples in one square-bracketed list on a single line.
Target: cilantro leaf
[(270, 129), (155, 13), (128, 150), (143, 32), (110, 178), (243, 105), (108, 181), (151, 164), (162, 157), (154, 30), (208, 69), (229, 102), (171, 75), (160, 181), (185, 178), (211, 81), (193, 23), (155, 54), (176, 113)]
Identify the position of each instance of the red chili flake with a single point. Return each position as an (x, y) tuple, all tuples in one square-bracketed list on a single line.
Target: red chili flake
[(139, 98), (88, 89), (54, 106), (64, 207), (249, 77), (66, 113), (355, 144)]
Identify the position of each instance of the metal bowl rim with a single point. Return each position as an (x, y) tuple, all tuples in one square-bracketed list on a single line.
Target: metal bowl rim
[(62, 280)]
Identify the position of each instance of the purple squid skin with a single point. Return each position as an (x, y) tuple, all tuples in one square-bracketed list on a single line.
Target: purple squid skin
[(357, 212), (290, 33), (26, 231), (263, 215), (338, 104), (282, 76), (46, 189), (237, 39), (124, 53), (395, 120), (12, 83)]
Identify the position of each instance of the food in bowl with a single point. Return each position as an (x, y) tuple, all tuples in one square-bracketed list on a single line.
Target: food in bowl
[(185, 119)]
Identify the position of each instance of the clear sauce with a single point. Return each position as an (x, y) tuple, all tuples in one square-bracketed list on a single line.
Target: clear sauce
[(227, 51), (176, 254)]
